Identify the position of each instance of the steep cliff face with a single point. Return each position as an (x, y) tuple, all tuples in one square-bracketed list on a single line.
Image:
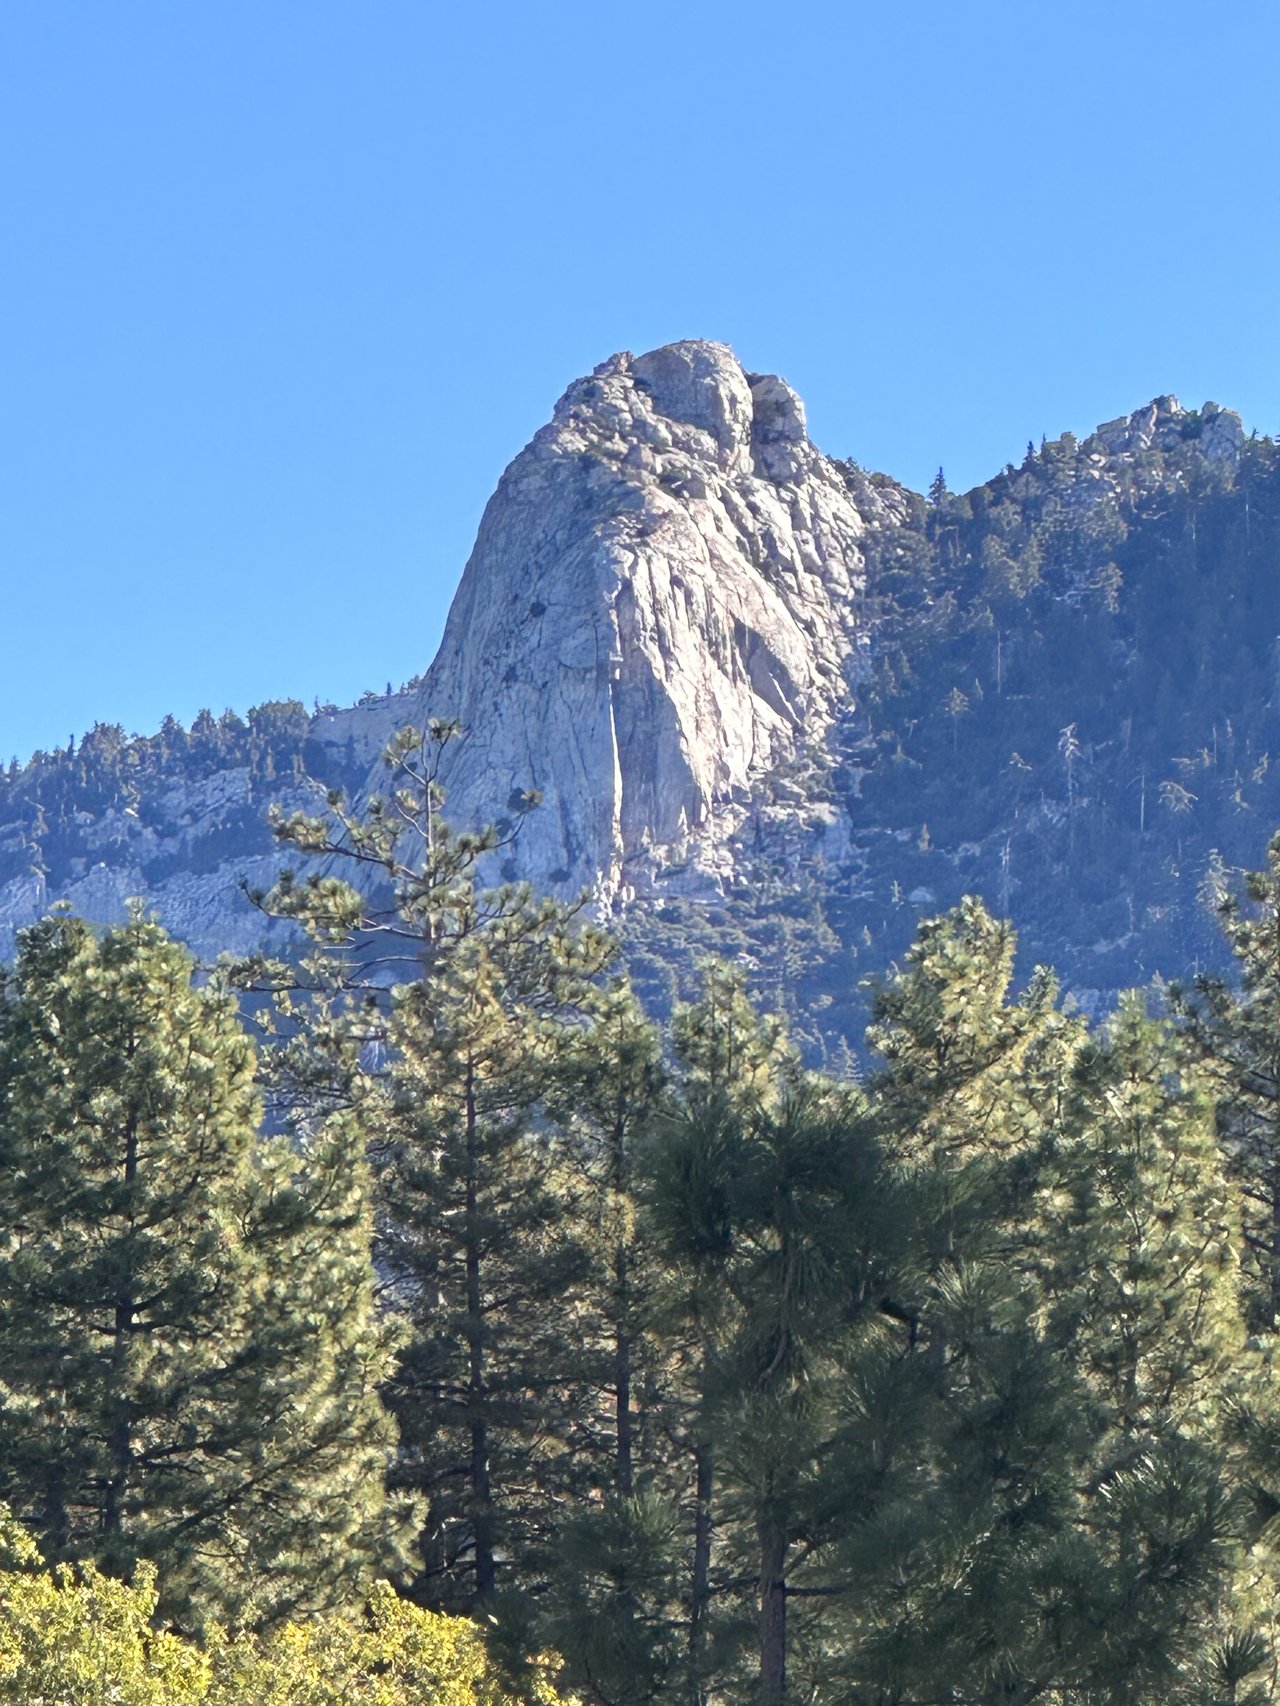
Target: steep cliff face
[(662, 614), (777, 707)]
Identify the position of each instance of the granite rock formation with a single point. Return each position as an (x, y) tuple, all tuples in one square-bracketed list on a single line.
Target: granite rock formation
[(663, 611), (777, 707)]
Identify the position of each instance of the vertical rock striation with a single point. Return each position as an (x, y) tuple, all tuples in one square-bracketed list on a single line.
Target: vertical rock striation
[(661, 610)]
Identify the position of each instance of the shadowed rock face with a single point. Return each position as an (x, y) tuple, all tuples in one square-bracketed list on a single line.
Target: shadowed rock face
[(662, 607)]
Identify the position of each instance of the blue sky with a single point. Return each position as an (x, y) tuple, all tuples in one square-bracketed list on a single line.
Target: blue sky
[(283, 287)]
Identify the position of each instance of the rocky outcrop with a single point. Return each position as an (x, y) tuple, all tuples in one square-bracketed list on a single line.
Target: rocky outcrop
[(776, 707), (660, 621), (187, 841), (1162, 425), (661, 614)]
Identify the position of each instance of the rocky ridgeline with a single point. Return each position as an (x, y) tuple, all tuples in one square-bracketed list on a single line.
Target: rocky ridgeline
[(185, 834), (690, 631)]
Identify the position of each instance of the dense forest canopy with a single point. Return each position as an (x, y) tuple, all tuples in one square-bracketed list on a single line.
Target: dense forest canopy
[(648, 1347)]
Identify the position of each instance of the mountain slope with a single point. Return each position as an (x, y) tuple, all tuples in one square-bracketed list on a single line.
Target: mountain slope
[(1075, 701), (776, 706)]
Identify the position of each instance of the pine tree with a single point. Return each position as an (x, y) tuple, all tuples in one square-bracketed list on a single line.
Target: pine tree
[(476, 1191), (1235, 1032), (613, 1084), (1144, 1298), (971, 1075), (1144, 1246), (481, 1249), (180, 1382), (1034, 1490), (733, 1068), (311, 1218), (613, 1604), (808, 1207)]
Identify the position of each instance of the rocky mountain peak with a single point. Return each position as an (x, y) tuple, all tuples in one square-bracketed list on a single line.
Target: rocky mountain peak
[(1163, 423), (660, 614), (738, 419), (776, 706)]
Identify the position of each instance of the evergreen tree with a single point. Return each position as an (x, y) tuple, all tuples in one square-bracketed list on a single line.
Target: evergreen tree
[(188, 1356), (1144, 1245), (478, 1231), (1145, 1300), (311, 1219), (614, 1604), (1030, 1449), (1235, 1032), (810, 1208), (613, 1085), (481, 1248), (973, 1082), (733, 1067)]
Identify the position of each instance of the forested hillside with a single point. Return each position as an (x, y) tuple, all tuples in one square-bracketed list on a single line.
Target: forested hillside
[(178, 817), (649, 1348), (1074, 701), (779, 708)]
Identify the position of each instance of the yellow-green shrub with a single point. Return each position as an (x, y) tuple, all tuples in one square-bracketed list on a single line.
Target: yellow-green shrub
[(79, 1638)]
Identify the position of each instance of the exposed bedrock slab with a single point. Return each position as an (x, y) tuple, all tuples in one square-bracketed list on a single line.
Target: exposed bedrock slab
[(662, 608)]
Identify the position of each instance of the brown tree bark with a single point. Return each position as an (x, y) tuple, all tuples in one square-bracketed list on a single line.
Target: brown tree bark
[(773, 1616), (120, 1442), (481, 1486), (700, 1578)]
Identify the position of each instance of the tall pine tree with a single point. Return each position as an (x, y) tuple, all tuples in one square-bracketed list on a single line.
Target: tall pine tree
[(478, 996), (1235, 1030), (189, 1359)]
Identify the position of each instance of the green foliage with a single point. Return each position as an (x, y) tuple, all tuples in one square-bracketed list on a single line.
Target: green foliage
[(726, 1049), (478, 1242), (188, 1350), (477, 1235), (726, 1380), (79, 1638), (1122, 593), (1235, 1032), (943, 1378), (1145, 1234), (1035, 1434), (615, 1607)]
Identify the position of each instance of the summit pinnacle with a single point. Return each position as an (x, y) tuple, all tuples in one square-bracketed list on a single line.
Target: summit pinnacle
[(661, 609)]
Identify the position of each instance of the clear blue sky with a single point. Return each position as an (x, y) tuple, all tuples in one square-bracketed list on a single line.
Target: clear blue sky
[(284, 286)]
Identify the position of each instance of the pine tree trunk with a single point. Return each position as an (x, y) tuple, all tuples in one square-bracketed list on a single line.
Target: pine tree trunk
[(622, 1384), (773, 1616), (700, 1583), (1275, 1243), (54, 1518), (481, 1489), (120, 1440), (622, 1339)]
